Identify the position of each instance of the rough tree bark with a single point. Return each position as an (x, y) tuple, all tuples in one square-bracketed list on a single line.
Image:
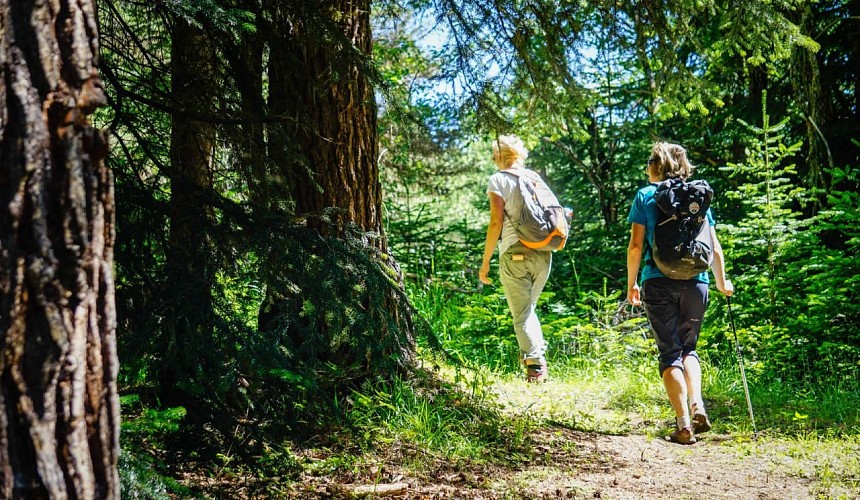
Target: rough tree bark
[(337, 134), (326, 151), (59, 409)]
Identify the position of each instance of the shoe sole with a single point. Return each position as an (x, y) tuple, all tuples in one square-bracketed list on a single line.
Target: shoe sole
[(701, 423)]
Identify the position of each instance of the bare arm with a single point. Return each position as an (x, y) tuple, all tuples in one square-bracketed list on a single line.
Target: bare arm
[(634, 258), (494, 229), (718, 266)]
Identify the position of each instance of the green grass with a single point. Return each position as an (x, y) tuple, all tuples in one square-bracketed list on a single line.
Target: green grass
[(782, 407), (603, 379), (443, 421), (832, 461), (458, 426), (580, 398), (455, 418)]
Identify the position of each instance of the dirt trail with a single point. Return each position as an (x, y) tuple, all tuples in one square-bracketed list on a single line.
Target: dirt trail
[(642, 467), (586, 465)]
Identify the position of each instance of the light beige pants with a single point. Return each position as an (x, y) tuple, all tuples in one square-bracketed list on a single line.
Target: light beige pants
[(523, 273)]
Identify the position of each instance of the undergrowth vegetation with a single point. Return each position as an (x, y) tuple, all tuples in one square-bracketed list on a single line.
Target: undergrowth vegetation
[(474, 407), (463, 418)]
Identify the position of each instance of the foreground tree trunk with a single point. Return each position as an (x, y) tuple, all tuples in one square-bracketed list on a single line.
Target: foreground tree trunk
[(59, 409)]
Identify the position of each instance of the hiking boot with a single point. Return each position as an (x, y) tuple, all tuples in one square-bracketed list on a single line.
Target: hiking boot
[(684, 435), (701, 423), (536, 373)]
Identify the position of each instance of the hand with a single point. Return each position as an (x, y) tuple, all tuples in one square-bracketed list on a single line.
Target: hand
[(727, 289), (633, 295), (482, 274)]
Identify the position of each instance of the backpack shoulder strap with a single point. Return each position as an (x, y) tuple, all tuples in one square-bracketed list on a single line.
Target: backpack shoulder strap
[(516, 172)]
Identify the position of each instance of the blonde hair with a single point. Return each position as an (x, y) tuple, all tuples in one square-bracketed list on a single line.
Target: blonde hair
[(511, 150), (670, 161)]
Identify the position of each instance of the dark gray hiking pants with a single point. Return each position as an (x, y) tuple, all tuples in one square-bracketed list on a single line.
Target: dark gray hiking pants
[(675, 309)]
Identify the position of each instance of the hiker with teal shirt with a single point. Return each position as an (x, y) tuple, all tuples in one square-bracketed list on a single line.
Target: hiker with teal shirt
[(675, 307), (522, 270)]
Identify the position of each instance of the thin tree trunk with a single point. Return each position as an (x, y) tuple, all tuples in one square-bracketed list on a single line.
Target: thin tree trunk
[(806, 81), (854, 13), (246, 62), (59, 409)]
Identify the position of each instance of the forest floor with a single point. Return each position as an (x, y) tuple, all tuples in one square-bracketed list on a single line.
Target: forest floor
[(584, 465), (639, 463)]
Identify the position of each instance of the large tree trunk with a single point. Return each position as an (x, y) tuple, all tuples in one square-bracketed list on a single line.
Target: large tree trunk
[(336, 137), (59, 410), (326, 149), (189, 254)]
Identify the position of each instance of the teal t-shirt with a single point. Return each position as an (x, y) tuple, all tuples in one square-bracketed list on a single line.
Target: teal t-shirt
[(644, 212)]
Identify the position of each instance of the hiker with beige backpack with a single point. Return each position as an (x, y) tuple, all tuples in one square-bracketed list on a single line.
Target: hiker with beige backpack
[(528, 223)]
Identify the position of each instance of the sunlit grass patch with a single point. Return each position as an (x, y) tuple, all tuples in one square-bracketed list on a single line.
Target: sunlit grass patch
[(441, 421), (540, 482), (832, 461), (782, 407), (583, 398)]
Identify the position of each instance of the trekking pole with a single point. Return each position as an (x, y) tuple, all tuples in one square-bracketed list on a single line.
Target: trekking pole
[(741, 363)]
